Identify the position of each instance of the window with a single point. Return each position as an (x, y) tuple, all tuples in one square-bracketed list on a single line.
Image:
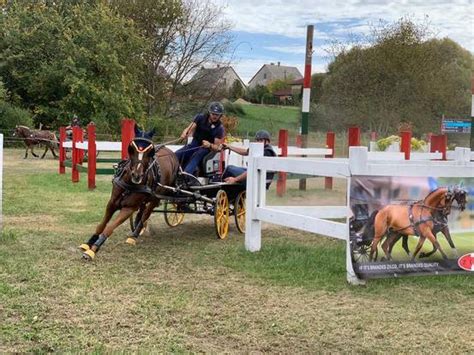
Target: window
[(265, 75)]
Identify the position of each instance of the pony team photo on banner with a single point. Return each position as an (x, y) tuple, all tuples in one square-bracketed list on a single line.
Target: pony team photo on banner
[(411, 225)]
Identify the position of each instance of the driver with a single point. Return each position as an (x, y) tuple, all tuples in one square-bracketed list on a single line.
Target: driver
[(207, 132)]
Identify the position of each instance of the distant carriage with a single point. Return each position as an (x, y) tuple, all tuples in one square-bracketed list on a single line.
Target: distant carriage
[(32, 138)]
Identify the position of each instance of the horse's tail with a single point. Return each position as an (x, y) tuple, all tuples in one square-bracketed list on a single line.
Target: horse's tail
[(369, 230)]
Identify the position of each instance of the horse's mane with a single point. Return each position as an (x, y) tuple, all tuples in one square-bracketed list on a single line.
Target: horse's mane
[(432, 192)]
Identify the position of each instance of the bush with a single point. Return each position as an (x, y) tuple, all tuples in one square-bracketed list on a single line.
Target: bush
[(233, 108), (10, 116)]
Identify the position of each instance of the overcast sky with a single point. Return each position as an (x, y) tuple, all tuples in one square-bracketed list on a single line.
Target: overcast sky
[(275, 31)]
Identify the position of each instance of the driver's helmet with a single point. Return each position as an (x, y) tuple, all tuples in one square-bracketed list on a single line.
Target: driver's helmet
[(216, 108), (262, 134)]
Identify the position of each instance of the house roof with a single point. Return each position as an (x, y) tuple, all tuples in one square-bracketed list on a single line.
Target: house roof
[(283, 92), (280, 71), (299, 81), (210, 76)]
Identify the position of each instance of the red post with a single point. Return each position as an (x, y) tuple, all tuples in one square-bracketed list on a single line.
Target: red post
[(81, 151), (299, 141), (128, 133), (62, 152), (91, 152), (283, 145), (405, 146), (354, 137), (76, 131), (439, 144), (330, 144)]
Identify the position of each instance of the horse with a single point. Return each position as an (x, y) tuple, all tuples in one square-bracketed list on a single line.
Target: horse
[(36, 137), (440, 220), (414, 219), (137, 185)]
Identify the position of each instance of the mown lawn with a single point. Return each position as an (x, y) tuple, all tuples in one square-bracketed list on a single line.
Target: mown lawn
[(271, 118), (182, 290)]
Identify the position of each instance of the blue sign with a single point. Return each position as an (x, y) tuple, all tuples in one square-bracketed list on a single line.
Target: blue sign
[(452, 125)]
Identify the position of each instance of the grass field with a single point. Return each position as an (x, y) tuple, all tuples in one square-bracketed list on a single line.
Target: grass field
[(181, 290)]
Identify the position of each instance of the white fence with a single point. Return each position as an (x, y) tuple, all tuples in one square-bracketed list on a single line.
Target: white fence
[(1, 183), (315, 219)]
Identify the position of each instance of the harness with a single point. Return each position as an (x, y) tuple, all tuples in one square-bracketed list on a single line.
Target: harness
[(151, 177), (414, 224)]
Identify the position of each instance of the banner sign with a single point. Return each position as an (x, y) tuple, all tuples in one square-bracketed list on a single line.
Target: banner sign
[(453, 125), (411, 225)]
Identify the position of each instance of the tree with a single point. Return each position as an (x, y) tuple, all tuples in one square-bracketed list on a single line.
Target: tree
[(403, 76), (60, 58), (159, 22), (237, 90)]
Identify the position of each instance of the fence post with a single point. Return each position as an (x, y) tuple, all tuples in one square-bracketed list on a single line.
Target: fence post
[(405, 146), (81, 151), (75, 153), (330, 144), (62, 151), (91, 155), (128, 133), (253, 227), (439, 144), (353, 137), (1, 183), (358, 159), (283, 145)]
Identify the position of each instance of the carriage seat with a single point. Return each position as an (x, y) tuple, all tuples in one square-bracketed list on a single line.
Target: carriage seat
[(210, 165)]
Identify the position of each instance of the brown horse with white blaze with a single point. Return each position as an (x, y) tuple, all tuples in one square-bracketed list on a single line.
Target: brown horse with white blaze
[(36, 137), (414, 219), (136, 185)]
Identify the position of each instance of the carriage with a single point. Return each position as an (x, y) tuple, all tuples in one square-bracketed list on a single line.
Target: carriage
[(206, 194)]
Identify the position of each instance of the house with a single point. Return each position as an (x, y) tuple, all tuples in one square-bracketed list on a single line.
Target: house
[(270, 72), (297, 86), (214, 80), (284, 96)]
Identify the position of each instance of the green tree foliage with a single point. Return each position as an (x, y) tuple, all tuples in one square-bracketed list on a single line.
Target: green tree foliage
[(63, 58), (256, 94), (237, 90), (10, 115), (403, 76), (279, 84)]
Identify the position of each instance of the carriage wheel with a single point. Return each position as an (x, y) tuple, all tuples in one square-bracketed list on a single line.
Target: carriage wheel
[(361, 253), (221, 214), (133, 220), (173, 218), (239, 211)]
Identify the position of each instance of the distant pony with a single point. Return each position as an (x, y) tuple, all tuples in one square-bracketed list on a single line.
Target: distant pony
[(36, 137)]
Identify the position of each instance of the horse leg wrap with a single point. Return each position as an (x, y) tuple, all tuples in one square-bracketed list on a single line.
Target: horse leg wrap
[(138, 229), (100, 240), (92, 240)]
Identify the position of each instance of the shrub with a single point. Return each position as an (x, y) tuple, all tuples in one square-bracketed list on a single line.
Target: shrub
[(10, 116)]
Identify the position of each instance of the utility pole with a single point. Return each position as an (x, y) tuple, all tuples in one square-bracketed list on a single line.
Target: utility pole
[(306, 94)]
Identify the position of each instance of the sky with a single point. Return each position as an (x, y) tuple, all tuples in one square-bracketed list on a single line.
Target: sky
[(272, 31)]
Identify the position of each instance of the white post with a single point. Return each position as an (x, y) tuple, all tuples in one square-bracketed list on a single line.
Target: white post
[(1, 183), (253, 227), (358, 158), (462, 155)]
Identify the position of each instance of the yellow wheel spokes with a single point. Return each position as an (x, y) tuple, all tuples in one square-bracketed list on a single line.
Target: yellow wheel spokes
[(221, 214), (173, 218), (239, 211)]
